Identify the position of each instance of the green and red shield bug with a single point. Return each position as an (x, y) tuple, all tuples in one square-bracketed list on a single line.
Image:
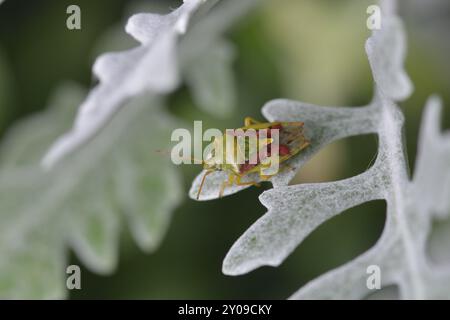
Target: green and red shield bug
[(291, 141)]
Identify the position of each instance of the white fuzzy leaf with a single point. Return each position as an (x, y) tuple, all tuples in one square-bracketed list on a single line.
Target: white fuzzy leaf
[(168, 44), (79, 203), (400, 252), (294, 212), (386, 50), (412, 204), (116, 170), (210, 79), (323, 125), (151, 67)]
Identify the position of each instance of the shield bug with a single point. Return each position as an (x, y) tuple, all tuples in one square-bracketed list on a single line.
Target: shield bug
[(291, 140)]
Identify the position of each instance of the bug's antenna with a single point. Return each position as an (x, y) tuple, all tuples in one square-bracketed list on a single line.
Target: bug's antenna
[(201, 184), (168, 153), (162, 152)]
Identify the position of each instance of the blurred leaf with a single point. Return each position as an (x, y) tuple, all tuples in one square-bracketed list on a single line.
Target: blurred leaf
[(150, 67), (210, 78), (208, 73), (79, 203), (165, 47)]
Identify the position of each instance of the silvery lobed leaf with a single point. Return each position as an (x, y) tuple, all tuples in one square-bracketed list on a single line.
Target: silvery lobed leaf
[(210, 79), (81, 203), (324, 125), (168, 43), (78, 203), (400, 253), (295, 211), (150, 67)]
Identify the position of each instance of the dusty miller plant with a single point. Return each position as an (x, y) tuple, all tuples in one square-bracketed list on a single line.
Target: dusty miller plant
[(412, 202), (105, 170), (53, 208)]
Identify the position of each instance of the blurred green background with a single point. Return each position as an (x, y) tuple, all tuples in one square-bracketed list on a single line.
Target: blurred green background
[(309, 50)]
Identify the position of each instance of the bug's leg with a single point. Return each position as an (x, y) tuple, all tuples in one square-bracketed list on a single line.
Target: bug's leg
[(297, 137), (301, 141), (292, 137), (248, 121), (297, 123), (225, 183), (284, 167), (250, 183), (296, 132), (265, 177), (201, 184)]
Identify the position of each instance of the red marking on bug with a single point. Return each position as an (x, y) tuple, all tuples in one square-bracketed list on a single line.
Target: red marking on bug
[(246, 167), (283, 150), (274, 127), (277, 126)]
